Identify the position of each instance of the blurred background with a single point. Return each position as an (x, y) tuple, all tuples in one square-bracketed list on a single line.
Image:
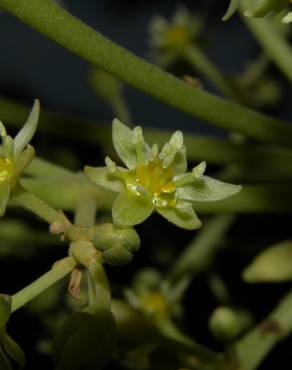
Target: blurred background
[(33, 67)]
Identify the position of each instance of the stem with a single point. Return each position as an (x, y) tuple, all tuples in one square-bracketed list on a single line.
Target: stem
[(57, 24), (196, 58), (58, 271), (199, 147), (120, 108), (170, 331), (65, 194), (86, 210), (42, 168), (27, 200), (199, 254), (252, 348), (273, 43)]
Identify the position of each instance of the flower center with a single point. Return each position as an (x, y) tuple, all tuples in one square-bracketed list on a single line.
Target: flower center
[(155, 180), (6, 168), (177, 36)]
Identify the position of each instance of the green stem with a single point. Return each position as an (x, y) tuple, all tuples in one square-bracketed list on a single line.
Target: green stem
[(199, 147), (29, 201), (253, 347), (273, 43), (57, 24), (58, 271), (120, 108), (199, 254), (42, 168), (274, 198), (170, 331), (196, 58), (86, 210)]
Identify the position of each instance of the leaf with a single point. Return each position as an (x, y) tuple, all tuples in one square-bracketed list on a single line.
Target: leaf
[(14, 351), (207, 189), (123, 140), (183, 217), (104, 178), (130, 209), (5, 309), (25, 135), (272, 265), (233, 6), (85, 341)]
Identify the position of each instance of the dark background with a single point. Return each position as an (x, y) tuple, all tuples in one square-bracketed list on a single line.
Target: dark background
[(31, 66)]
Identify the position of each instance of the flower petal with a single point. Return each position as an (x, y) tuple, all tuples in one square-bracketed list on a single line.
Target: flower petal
[(25, 135), (207, 189), (179, 163), (123, 140), (102, 176), (182, 216), (131, 209)]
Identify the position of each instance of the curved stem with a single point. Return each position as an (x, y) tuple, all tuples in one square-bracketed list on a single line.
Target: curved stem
[(253, 347), (199, 254), (196, 58), (58, 25), (29, 201), (273, 43), (58, 271), (86, 210)]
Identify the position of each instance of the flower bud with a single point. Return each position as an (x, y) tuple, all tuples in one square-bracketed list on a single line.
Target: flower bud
[(224, 324), (116, 244)]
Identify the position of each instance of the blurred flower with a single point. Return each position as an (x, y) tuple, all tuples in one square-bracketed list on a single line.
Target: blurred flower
[(168, 38), (15, 155), (155, 180)]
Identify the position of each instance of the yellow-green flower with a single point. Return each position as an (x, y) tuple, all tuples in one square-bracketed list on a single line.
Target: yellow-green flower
[(168, 38), (15, 155), (155, 181)]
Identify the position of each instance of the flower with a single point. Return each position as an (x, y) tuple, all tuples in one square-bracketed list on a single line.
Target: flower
[(168, 38), (155, 181), (15, 155)]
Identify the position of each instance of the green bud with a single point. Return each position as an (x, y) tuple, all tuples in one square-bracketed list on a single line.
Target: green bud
[(224, 324), (86, 340), (116, 244)]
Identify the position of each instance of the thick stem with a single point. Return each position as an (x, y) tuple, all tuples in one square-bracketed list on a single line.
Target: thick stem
[(57, 24), (58, 271), (199, 147), (253, 347), (42, 168), (86, 210), (200, 252)]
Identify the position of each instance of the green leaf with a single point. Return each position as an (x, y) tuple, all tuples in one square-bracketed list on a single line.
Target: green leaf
[(5, 309), (123, 140), (182, 216), (85, 341), (103, 177), (14, 351), (233, 6), (25, 135), (207, 189), (4, 361), (272, 265), (131, 209)]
